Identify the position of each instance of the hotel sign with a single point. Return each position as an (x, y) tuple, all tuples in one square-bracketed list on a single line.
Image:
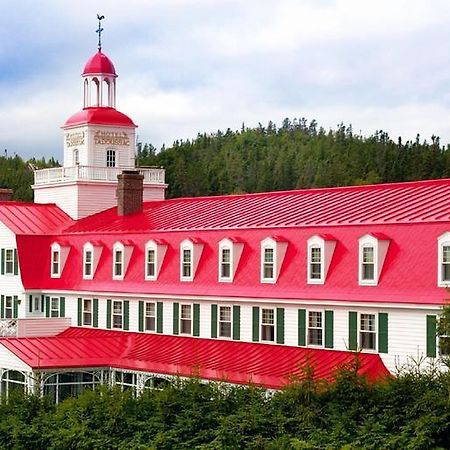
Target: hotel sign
[(111, 138), (75, 139)]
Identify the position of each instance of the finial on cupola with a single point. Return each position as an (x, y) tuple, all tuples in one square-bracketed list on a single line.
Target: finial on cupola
[(99, 31)]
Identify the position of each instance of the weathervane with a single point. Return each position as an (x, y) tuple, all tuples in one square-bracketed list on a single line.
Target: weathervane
[(99, 31)]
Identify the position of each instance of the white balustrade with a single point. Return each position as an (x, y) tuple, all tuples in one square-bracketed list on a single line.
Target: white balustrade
[(92, 173)]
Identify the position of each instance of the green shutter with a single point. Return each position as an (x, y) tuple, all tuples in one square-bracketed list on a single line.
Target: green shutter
[(42, 303), (16, 263), (255, 333), (62, 307), (352, 330), (176, 318), (141, 316), (3, 262), (280, 325), (382, 333), (2, 306), (213, 321), (30, 303), (47, 306), (80, 311), (431, 336), (108, 313), (196, 317), (95, 312), (159, 317), (302, 327), (15, 307), (329, 329), (236, 322), (126, 315)]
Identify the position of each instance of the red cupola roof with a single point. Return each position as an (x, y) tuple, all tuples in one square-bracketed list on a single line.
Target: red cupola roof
[(99, 116), (99, 63)]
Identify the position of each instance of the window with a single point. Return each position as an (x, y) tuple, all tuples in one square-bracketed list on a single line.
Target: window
[(225, 263), (87, 312), (55, 262), (117, 314), (88, 261), (9, 307), (268, 263), (367, 333), (368, 264), (268, 325), (9, 261), (110, 158), (76, 157), (315, 328), (185, 319), (151, 263), (118, 263), (186, 265), (315, 263), (446, 263), (150, 316), (225, 321), (54, 307)]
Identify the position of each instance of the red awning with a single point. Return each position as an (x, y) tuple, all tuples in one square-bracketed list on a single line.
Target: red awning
[(271, 366)]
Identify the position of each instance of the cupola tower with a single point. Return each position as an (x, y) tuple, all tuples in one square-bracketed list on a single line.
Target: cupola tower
[(99, 142)]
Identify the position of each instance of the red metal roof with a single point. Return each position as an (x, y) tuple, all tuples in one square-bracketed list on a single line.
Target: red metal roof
[(100, 115), (235, 362), (98, 64), (33, 218), (395, 203)]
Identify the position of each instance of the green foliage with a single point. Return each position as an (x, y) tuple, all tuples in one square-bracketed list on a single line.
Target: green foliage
[(443, 332), (296, 155), (411, 411), (17, 174)]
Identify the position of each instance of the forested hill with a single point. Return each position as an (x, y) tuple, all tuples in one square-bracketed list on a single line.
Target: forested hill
[(296, 155)]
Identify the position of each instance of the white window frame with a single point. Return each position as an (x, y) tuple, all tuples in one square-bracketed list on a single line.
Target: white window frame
[(222, 249), (265, 323), (151, 247), (374, 332), (380, 245), (312, 279), (309, 328), (443, 241), (220, 322), (118, 247), (190, 264), (186, 319), (111, 156), (9, 251), (88, 248), (55, 311), (273, 263), (9, 310), (87, 311), (150, 316), (55, 263), (114, 314)]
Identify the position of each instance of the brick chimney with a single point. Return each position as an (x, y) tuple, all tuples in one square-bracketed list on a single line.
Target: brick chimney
[(5, 195), (130, 192)]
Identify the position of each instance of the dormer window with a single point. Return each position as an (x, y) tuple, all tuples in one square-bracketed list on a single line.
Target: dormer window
[(91, 257), (230, 252), (320, 254), (121, 258), (118, 263), (272, 256), (372, 253), (56, 263), (190, 252), (444, 260), (155, 251)]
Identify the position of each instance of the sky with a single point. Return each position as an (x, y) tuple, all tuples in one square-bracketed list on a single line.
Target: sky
[(193, 66)]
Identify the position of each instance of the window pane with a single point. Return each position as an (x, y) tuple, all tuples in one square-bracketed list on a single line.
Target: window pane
[(185, 311), (117, 307), (225, 313), (315, 336), (268, 333), (268, 255), (185, 326), (368, 272), (368, 255), (368, 322), (225, 321), (268, 316), (226, 255), (446, 272), (446, 254), (367, 340), (268, 271), (225, 329)]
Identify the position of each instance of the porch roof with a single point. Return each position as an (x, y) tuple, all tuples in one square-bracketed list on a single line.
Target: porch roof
[(271, 366)]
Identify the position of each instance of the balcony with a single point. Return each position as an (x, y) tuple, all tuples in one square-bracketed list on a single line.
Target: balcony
[(33, 327), (92, 173)]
